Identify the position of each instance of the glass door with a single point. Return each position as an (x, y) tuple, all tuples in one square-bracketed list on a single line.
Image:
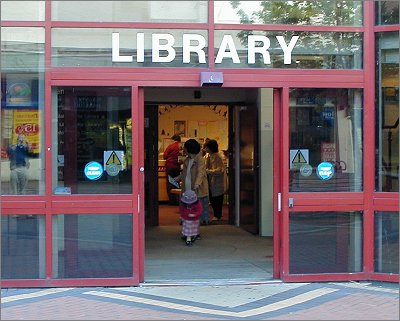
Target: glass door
[(95, 197), (322, 204), (94, 145)]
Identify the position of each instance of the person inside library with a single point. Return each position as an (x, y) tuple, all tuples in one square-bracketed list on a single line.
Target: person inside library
[(19, 164), (172, 166), (194, 176), (215, 169)]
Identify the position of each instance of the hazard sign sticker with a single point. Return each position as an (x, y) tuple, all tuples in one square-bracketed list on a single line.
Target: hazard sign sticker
[(113, 162), (298, 158)]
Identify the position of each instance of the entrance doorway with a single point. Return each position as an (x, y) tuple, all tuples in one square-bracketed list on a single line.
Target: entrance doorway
[(239, 246)]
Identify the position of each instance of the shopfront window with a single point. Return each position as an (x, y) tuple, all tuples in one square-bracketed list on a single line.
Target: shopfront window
[(320, 12), (22, 111), (387, 12), (22, 10), (386, 245), (325, 242), (92, 246), (81, 47), (92, 148), (387, 112), (326, 140), (288, 49), (130, 11), (23, 253)]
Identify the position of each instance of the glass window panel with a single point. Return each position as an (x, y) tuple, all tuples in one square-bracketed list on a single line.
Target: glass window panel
[(387, 112), (22, 111), (130, 11), (312, 50), (23, 253), (326, 127), (386, 257), (93, 152), (325, 242), (22, 49), (22, 10), (321, 12), (387, 12), (92, 246), (93, 47)]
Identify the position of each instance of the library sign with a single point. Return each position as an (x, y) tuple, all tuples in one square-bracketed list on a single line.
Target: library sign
[(163, 50)]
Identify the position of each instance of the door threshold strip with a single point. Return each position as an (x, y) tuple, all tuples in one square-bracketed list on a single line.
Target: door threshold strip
[(214, 282)]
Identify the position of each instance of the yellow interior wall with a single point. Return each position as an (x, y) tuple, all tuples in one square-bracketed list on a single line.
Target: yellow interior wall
[(208, 122)]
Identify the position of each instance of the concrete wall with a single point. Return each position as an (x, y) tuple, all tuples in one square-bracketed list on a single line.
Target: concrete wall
[(266, 161)]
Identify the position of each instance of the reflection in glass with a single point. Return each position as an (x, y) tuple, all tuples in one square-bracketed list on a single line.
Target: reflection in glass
[(23, 253), (316, 12), (92, 246), (22, 49), (22, 10), (93, 152), (387, 12), (387, 112), (386, 245), (313, 50), (326, 126), (325, 242), (130, 11), (22, 111), (93, 47)]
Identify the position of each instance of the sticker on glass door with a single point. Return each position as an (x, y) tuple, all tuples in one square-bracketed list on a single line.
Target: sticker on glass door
[(298, 157), (114, 161), (93, 170)]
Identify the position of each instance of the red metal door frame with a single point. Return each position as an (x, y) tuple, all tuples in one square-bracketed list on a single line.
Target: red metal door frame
[(305, 202), (50, 204), (277, 183), (139, 246), (309, 202), (130, 203)]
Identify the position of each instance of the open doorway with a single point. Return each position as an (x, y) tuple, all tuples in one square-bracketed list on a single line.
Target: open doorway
[(190, 121), (232, 247)]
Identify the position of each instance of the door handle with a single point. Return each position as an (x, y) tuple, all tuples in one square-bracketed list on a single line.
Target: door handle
[(279, 202), (291, 202)]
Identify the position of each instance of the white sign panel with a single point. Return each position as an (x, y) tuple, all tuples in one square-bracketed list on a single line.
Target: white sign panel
[(114, 161), (298, 157)]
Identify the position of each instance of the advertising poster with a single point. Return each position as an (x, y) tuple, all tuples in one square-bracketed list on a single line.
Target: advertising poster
[(328, 152), (27, 122)]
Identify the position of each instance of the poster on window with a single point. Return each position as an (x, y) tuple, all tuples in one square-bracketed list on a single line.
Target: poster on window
[(26, 122), (328, 152), (21, 93)]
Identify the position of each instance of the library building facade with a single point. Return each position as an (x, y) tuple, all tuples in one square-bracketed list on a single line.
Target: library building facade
[(302, 97)]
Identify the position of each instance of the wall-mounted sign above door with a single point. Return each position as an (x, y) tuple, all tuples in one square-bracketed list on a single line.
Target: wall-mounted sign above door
[(163, 48)]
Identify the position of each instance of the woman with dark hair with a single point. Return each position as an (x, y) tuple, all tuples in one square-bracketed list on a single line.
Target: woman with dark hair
[(193, 175), (215, 170)]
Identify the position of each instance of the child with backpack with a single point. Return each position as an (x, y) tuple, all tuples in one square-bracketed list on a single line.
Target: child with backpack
[(190, 209)]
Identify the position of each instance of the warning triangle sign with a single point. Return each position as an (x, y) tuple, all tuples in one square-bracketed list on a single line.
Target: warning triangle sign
[(299, 158), (113, 159)]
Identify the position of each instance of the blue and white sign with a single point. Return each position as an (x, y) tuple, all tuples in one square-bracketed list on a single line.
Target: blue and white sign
[(325, 170), (93, 170)]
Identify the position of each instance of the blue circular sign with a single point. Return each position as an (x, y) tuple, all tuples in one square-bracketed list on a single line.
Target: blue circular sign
[(93, 170), (325, 170)]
